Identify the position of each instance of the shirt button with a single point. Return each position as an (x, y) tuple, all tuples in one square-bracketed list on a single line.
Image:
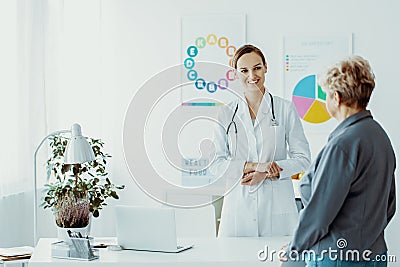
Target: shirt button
[(255, 220)]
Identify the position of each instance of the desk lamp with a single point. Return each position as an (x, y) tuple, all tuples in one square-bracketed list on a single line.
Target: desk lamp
[(78, 151)]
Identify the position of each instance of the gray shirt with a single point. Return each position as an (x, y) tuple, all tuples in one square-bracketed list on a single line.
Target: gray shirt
[(349, 190)]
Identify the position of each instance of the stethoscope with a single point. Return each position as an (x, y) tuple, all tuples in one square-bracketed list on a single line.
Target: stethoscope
[(274, 123)]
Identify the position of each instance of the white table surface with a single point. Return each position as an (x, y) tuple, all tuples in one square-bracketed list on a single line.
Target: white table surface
[(23, 263), (206, 252)]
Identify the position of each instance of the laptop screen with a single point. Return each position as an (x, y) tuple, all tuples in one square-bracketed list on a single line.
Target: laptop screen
[(146, 228)]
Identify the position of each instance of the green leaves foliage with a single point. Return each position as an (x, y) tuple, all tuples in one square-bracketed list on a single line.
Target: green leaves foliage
[(88, 180)]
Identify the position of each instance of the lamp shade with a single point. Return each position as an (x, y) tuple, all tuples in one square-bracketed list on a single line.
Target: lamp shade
[(78, 149)]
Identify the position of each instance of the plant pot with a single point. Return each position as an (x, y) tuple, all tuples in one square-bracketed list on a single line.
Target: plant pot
[(62, 233), (72, 212)]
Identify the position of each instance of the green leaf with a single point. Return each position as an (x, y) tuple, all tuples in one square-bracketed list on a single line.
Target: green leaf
[(96, 213), (96, 202), (114, 195)]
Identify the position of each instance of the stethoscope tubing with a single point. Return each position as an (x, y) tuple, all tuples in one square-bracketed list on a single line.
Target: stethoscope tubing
[(274, 122), (232, 122)]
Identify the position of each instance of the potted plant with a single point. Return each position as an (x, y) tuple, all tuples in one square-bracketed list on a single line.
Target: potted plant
[(77, 190)]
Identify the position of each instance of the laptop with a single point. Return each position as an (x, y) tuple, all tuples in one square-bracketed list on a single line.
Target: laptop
[(147, 229)]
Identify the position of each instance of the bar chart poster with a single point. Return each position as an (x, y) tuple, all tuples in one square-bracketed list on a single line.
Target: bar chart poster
[(207, 45), (304, 59)]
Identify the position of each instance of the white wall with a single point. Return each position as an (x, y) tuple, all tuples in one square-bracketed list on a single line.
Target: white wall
[(137, 39)]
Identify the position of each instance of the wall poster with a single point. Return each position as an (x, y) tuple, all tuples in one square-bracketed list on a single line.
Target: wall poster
[(212, 40), (304, 58)]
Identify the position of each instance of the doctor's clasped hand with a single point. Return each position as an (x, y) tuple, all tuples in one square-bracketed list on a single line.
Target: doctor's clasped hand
[(255, 172)]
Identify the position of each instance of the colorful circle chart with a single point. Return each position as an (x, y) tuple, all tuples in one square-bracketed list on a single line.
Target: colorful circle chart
[(309, 100)]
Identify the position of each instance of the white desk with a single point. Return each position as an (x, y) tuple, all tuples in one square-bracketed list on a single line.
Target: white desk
[(219, 252), (13, 263)]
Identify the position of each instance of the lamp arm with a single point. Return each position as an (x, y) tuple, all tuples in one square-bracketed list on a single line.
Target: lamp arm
[(35, 183)]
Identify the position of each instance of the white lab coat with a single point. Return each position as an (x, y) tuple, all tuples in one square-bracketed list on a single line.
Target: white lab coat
[(270, 209)]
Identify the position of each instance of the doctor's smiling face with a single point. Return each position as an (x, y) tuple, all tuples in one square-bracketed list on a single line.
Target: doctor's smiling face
[(251, 71)]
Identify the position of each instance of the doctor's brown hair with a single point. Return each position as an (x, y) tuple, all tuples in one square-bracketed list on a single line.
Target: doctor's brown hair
[(245, 50)]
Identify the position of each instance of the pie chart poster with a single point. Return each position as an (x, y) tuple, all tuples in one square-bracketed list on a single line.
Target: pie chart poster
[(213, 39), (305, 58)]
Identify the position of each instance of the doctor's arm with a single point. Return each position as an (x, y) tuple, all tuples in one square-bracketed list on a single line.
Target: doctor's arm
[(298, 147), (271, 170), (224, 168)]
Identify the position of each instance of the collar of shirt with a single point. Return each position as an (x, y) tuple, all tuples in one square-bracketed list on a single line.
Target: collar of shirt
[(349, 121)]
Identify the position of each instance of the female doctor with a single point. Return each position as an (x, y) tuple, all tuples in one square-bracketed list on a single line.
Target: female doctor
[(260, 144)]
